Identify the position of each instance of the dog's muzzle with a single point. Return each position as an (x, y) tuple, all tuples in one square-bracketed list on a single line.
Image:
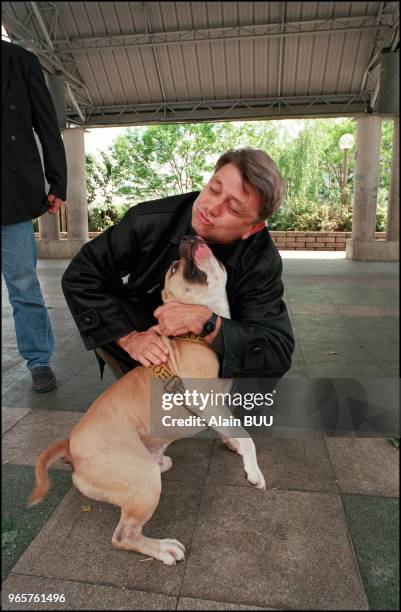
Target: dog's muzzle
[(187, 250)]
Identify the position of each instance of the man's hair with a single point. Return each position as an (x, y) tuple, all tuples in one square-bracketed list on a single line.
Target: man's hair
[(259, 170)]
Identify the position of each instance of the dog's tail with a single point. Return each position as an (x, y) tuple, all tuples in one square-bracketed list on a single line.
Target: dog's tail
[(60, 450)]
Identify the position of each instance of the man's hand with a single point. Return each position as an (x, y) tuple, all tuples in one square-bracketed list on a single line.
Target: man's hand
[(175, 319), (55, 203), (146, 347)]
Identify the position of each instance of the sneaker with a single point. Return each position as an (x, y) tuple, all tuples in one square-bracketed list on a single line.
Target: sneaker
[(43, 379)]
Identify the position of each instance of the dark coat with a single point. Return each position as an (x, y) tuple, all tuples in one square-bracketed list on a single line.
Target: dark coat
[(258, 339), (26, 103)]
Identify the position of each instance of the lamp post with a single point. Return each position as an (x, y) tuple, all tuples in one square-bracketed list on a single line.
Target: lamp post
[(345, 143)]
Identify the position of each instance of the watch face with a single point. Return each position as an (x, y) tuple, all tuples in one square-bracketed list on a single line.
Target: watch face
[(209, 327)]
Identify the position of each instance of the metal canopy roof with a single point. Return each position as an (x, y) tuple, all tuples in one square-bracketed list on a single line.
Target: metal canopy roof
[(131, 63)]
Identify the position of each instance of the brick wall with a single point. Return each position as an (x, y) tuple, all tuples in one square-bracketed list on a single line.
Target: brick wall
[(314, 241), (311, 241)]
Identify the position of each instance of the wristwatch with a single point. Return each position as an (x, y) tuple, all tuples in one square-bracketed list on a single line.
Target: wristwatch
[(209, 326)]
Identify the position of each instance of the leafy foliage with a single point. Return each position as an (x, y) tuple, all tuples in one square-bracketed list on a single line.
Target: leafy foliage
[(8, 533), (158, 161)]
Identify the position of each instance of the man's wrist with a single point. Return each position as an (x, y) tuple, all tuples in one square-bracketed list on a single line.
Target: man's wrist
[(210, 337)]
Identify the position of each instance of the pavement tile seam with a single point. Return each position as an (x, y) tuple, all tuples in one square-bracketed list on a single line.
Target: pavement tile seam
[(90, 583), (351, 544), (199, 505), (230, 603), (353, 550)]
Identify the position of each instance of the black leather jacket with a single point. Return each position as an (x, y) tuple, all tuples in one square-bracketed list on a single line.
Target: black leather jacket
[(258, 339)]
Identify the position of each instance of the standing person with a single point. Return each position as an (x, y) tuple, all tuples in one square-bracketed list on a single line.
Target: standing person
[(27, 106)]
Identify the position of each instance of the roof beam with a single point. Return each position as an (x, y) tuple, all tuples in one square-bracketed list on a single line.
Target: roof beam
[(211, 110), (315, 27), (149, 33), (44, 47)]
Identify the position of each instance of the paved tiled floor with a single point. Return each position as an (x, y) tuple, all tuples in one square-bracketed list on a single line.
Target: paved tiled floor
[(322, 536)]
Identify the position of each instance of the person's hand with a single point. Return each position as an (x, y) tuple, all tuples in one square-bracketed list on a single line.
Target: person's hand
[(55, 203), (175, 319), (146, 347)]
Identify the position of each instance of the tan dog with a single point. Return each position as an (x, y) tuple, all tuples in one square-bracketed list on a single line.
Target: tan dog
[(113, 455)]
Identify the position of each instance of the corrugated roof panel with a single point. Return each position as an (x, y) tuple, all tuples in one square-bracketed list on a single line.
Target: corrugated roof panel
[(138, 16), (179, 76), (273, 57), (217, 86), (68, 20), (335, 54), (318, 64), (147, 69), (88, 77), (124, 90), (127, 77), (361, 61), (109, 17), (102, 79), (82, 21), (191, 72), (167, 72), (346, 68), (247, 68), (184, 15), (246, 13), (261, 12), (208, 16), (309, 10), (311, 64), (229, 13), (166, 16), (199, 13), (124, 18), (305, 50), (262, 73), (208, 73), (233, 69)]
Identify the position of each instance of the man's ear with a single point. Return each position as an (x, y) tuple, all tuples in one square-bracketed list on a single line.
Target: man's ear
[(164, 295), (253, 229)]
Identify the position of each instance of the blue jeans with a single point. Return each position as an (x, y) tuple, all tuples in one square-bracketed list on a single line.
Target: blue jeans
[(32, 324)]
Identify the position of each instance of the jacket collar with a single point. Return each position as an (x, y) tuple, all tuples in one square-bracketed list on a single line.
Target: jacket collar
[(183, 227)]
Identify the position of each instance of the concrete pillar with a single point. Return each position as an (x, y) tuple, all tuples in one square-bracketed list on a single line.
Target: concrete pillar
[(366, 177), (393, 211), (77, 209), (363, 246), (49, 226), (56, 84)]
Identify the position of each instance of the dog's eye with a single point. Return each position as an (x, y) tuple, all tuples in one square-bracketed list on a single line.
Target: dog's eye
[(174, 267)]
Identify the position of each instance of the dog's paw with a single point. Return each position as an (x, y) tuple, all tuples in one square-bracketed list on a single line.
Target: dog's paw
[(171, 551), (256, 478)]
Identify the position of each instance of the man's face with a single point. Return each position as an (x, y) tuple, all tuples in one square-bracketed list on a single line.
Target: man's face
[(223, 211)]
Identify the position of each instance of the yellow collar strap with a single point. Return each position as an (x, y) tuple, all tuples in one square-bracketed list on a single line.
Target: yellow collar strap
[(172, 383), (190, 336)]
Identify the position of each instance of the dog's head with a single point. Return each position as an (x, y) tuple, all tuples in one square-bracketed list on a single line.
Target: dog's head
[(198, 277)]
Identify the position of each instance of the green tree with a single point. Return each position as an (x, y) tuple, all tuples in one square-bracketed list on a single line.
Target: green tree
[(158, 161), (164, 160)]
